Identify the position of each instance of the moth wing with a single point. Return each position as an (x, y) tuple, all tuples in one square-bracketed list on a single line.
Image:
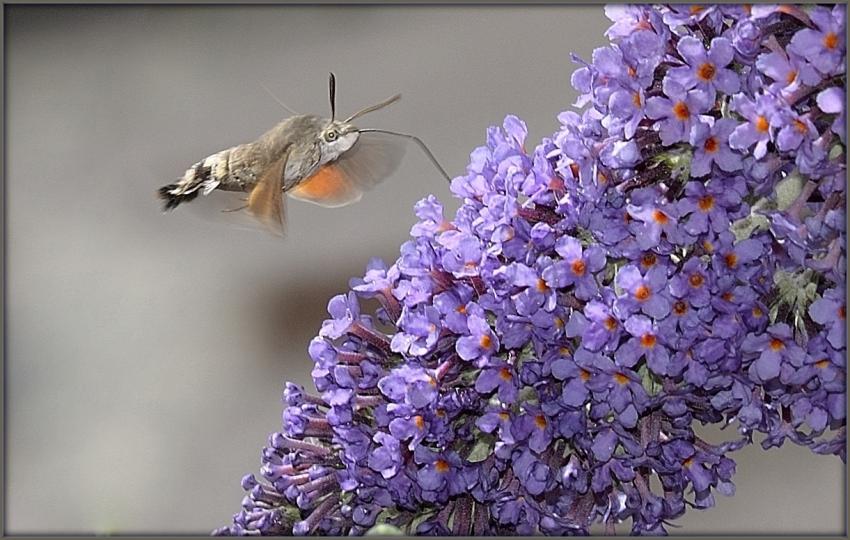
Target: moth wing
[(373, 158), (265, 201)]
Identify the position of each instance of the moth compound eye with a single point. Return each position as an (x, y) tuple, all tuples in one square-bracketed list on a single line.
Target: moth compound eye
[(331, 136)]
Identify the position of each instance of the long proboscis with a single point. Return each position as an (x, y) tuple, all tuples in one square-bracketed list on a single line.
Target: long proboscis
[(418, 141), (373, 108)]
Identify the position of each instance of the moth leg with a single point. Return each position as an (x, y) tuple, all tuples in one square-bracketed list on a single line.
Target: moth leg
[(228, 210)]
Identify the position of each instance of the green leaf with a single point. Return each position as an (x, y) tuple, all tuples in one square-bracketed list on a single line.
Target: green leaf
[(745, 227), (482, 449), (788, 189), (384, 529)]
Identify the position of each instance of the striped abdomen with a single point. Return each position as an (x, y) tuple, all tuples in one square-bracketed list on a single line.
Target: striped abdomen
[(233, 169)]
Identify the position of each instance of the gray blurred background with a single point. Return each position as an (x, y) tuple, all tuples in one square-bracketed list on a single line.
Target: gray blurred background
[(147, 352)]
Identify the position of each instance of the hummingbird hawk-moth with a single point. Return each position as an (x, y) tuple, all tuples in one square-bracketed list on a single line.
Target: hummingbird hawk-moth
[(324, 161)]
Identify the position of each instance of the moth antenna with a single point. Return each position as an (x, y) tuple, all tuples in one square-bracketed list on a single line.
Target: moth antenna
[(279, 102), (332, 94), (414, 138), (381, 105)]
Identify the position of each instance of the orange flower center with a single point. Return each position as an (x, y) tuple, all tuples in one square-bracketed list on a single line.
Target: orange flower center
[(660, 217), (706, 203), (574, 169), (636, 100), (540, 421), (610, 323), (419, 422), (621, 379), (486, 341), (505, 374), (801, 126), (631, 71), (680, 308), (731, 260), (687, 463), (445, 226), (776, 344), (541, 285), (727, 296), (830, 40), (648, 260), (708, 246), (578, 267), (642, 293), (695, 9), (842, 312), (647, 341), (585, 375), (696, 280), (441, 465), (757, 312), (822, 364), (504, 415), (791, 77), (706, 71), (762, 124), (461, 309), (681, 111), (711, 145)]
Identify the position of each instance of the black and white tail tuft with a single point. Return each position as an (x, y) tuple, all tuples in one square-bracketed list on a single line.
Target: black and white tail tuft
[(172, 196), (185, 189)]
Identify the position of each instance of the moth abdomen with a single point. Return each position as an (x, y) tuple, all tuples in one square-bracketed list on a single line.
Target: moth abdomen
[(204, 176)]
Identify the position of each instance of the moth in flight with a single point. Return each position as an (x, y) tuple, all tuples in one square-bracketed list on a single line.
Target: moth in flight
[(324, 161)]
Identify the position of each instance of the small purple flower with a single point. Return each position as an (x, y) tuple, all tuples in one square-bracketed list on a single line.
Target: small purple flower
[(787, 72), (439, 475), (464, 257), (597, 327), (419, 330), (677, 112), (760, 125), (345, 311), (652, 220), (706, 70), (643, 293), (830, 311), (773, 347), (711, 145), (498, 375), (795, 131), (831, 101), (626, 109), (707, 206), (824, 45), (481, 341), (644, 343), (576, 268)]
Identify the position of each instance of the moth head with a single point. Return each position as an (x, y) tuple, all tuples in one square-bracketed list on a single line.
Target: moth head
[(336, 139)]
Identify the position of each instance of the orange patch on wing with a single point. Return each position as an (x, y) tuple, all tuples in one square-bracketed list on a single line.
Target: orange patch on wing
[(327, 184)]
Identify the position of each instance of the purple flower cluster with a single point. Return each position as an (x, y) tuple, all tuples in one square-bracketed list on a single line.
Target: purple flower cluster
[(672, 256)]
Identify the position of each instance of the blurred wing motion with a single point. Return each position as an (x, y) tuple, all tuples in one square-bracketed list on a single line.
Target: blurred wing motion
[(265, 201), (373, 158)]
